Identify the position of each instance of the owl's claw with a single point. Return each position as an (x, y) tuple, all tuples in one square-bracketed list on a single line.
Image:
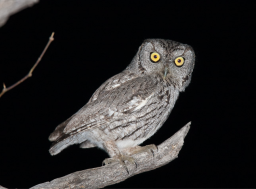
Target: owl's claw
[(109, 161), (150, 148), (120, 159), (139, 149)]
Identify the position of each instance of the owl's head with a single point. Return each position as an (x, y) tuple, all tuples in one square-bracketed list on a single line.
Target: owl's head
[(172, 61)]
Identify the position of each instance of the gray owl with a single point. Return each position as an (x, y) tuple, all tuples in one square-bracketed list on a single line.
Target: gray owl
[(131, 106)]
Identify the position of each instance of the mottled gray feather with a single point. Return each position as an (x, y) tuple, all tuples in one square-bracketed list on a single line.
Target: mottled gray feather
[(132, 105)]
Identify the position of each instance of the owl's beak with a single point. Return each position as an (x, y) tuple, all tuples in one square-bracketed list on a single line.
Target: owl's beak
[(165, 72)]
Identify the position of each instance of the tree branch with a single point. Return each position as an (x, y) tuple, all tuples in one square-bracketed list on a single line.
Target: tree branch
[(31, 71), (114, 173)]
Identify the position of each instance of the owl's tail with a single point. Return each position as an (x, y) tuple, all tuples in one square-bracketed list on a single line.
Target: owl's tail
[(60, 139), (58, 132), (67, 140)]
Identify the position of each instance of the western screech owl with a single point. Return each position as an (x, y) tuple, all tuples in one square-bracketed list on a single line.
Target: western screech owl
[(131, 106)]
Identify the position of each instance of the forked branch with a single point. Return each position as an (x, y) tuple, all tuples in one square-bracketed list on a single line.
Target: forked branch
[(114, 173), (31, 71)]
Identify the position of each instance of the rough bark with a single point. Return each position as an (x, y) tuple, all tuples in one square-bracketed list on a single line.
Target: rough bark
[(9, 7), (114, 173)]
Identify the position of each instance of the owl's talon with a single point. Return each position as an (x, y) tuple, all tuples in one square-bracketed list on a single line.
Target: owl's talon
[(107, 161), (129, 159), (151, 148), (121, 160), (140, 149)]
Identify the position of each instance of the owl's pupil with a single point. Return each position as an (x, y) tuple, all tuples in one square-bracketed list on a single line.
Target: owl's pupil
[(179, 60), (155, 56)]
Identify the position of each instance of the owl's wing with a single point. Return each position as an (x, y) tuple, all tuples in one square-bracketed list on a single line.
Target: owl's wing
[(113, 82), (117, 97)]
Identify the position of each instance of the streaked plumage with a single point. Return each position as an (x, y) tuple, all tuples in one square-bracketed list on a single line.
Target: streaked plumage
[(131, 106)]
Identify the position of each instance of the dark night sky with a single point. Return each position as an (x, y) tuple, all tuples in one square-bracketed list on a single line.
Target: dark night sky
[(95, 40)]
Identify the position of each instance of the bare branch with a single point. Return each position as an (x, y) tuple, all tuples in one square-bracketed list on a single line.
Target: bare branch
[(9, 7), (32, 69), (114, 173)]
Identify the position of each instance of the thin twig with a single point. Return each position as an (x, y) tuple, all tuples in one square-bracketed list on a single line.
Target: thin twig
[(32, 69)]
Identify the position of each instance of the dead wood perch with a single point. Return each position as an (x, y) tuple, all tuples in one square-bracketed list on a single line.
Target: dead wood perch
[(31, 71), (114, 173)]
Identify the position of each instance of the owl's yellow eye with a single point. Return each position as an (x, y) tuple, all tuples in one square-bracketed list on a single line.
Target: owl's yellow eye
[(179, 61), (155, 57)]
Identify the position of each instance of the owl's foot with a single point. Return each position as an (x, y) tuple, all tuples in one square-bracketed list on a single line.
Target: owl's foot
[(149, 148), (120, 159), (139, 149)]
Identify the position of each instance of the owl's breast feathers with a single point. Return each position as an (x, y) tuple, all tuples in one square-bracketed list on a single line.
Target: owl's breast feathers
[(124, 107)]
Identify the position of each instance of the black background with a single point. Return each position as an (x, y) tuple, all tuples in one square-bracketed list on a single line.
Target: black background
[(95, 40)]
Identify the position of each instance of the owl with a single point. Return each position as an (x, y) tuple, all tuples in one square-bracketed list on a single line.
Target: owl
[(131, 106)]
